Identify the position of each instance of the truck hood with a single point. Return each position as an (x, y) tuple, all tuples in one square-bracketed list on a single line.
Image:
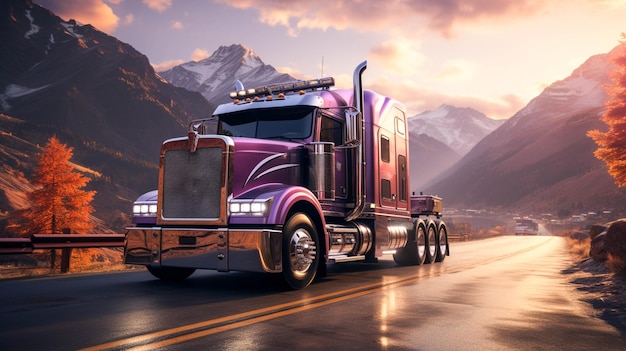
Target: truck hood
[(261, 162)]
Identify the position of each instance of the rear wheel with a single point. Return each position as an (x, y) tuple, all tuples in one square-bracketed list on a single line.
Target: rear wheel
[(414, 253), (442, 243), (431, 244), (300, 256), (171, 273)]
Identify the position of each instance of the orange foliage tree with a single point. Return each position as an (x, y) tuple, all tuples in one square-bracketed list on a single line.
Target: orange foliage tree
[(612, 143), (59, 203)]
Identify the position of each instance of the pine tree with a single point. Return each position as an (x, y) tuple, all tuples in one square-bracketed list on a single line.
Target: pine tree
[(59, 203), (612, 143)]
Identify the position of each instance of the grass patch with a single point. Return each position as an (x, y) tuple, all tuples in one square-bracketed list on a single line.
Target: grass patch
[(578, 248)]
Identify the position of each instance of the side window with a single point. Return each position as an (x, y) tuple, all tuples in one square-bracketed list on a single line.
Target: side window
[(385, 152), (331, 131), (385, 188)]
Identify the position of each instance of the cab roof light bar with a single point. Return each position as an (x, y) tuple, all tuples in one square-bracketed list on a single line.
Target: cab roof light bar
[(301, 85)]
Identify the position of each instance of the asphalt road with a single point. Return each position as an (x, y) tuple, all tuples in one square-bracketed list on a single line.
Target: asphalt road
[(505, 293)]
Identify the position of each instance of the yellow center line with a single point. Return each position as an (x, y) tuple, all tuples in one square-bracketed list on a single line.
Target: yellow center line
[(251, 317), (151, 341), (263, 318)]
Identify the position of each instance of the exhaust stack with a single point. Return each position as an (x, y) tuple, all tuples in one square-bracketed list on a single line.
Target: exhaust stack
[(359, 166)]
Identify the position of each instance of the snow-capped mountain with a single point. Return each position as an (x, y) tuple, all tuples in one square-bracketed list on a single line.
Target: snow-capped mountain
[(583, 89), (541, 158), (96, 94), (459, 128), (215, 76)]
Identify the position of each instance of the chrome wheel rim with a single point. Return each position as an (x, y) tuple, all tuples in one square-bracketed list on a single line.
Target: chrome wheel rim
[(432, 242), (443, 247), (421, 242), (302, 252)]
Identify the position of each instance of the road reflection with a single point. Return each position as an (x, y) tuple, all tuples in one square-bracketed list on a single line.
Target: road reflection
[(387, 309)]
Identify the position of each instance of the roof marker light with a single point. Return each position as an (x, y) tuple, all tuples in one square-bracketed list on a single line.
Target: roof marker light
[(283, 88)]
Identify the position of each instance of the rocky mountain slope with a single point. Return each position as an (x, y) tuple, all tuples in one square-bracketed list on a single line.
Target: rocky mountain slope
[(439, 138), (429, 158), (97, 94), (541, 160)]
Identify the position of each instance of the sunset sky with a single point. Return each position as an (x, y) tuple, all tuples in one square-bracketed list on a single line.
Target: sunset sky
[(491, 55)]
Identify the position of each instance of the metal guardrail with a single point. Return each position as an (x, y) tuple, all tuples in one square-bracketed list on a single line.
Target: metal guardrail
[(59, 241), (458, 237)]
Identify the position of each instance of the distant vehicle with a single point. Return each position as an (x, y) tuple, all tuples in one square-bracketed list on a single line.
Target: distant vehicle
[(526, 227)]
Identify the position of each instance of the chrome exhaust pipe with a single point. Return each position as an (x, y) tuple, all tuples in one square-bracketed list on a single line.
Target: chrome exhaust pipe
[(359, 166)]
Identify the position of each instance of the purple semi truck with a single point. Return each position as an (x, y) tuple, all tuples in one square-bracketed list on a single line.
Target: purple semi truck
[(286, 179)]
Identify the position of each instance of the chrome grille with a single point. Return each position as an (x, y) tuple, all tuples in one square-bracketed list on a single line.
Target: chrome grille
[(192, 184)]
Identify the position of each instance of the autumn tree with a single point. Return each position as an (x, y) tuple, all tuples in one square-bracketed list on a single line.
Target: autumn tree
[(58, 203), (612, 143)]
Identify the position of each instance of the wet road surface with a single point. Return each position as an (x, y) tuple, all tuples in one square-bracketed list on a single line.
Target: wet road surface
[(505, 293)]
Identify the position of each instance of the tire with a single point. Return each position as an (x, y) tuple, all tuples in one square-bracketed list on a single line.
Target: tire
[(431, 244), (171, 273), (442, 243), (300, 256), (414, 253)]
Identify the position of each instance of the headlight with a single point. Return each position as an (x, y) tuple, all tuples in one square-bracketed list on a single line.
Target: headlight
[(144, 209), (249, 207)]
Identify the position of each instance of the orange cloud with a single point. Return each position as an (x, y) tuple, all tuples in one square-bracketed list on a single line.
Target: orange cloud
[(199, 54), (94, 12), (164, 66), (158, 5), (440, 16), (400, 56)]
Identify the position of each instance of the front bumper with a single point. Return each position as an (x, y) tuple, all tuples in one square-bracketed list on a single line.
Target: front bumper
[(222, 249)]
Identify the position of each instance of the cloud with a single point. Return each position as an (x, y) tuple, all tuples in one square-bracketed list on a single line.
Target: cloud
[(158, 5), (94, 12), (444, 16), (372, 16), (129, 19), (456, 70), (177, 25), (164, 66), (199, 54), (399, 56), (418, 100)]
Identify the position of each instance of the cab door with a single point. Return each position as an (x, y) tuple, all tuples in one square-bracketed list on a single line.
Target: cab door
[(332, 130), (393, 162)]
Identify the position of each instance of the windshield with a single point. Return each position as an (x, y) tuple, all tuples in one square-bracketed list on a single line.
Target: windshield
[(294, 122)]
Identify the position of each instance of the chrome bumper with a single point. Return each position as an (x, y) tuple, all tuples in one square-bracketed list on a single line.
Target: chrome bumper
[(220, 249)]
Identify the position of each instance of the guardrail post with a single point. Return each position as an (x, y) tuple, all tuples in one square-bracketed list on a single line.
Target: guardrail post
[(53, 259), (66, 254)]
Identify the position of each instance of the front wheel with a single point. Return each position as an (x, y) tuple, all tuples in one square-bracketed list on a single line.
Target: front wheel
[(171, 273), (300, 251)]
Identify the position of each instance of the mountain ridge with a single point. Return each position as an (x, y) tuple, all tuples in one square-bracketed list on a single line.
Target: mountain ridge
[(97, 94), (215, 75), (458, 127), (543, 147)]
